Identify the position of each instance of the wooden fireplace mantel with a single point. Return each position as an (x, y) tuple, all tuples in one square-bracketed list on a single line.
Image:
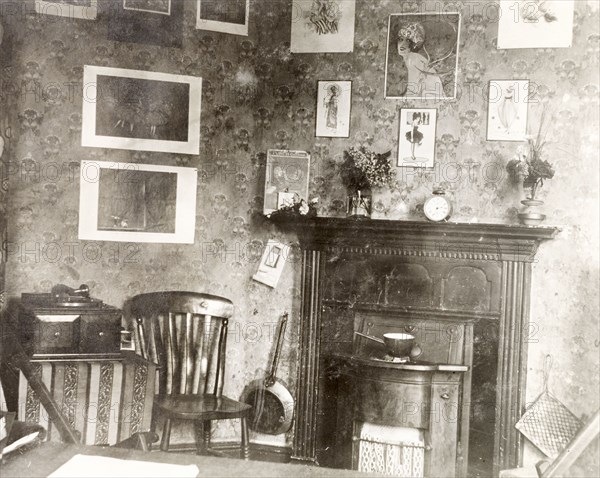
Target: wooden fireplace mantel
[(506, 250), (477, 241)]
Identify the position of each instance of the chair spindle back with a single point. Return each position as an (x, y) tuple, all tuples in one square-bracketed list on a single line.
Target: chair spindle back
[(185, 333)]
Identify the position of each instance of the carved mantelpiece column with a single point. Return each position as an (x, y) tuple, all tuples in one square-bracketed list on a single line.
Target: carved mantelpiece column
[(509, 249)]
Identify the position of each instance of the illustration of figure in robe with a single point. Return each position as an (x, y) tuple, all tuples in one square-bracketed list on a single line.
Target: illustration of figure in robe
[(331, 106), (507, 109)]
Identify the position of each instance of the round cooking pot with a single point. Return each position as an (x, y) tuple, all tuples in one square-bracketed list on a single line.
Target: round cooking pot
[(398, 344)]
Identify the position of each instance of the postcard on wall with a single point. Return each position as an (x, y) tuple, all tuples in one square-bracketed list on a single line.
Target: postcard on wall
[(153, 22), (535, 24), (416, 138), (134, 202), (82, 9), (422, 56), (334, 101), (322, 26), (230, 16), (272, 263), (507, 110), (287, 172), (141, 110)]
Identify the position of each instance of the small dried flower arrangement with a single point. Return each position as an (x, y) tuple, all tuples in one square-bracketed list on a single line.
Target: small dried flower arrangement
[(298, 208), (527, 166), (364, 169)]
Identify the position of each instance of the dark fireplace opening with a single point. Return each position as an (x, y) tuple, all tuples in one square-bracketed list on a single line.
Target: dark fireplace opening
[(374, 295)]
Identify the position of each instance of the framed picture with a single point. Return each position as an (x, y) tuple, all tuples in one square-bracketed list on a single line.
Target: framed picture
[(137, 202), (161, 7), (272, 263), (286, 178), (141, 110), (507, 110), (82, 9), (535, 24), (416, 138), (151, 22), (334, 101), (229, 16), (322, 26), (422, 56)]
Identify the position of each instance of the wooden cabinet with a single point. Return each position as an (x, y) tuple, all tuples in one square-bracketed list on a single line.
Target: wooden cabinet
[(48, 330), (106, 400)]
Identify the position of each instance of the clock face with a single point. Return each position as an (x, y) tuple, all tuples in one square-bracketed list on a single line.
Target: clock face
[(437, 208)]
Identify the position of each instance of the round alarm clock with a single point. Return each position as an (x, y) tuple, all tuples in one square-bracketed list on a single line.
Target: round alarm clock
[(438, 207)]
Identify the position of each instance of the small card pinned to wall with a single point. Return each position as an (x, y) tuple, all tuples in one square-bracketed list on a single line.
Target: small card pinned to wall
[(272, 263)]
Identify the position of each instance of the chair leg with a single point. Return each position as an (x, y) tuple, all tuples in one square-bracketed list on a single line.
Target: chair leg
[(166, 436), (199, 437), (245, 440), (206, 435)]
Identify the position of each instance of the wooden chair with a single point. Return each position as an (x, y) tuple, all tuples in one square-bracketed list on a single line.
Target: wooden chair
[(185, 333)]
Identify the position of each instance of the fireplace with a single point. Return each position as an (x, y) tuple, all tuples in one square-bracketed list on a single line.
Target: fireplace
[(470, 278)]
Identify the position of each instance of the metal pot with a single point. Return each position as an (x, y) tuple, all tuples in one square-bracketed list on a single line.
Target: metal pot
[(272, 402), (397, 344)]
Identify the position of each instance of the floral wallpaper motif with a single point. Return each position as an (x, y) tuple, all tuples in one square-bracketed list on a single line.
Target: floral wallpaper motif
[(257, 95)]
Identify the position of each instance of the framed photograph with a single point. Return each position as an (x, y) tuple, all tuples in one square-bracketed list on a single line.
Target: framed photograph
[(334, 101), (507, 110), (272, 263), (229, 16), (82, 9), (287, 173), (133, 202), (322, 26), (422, 56), (141, 110), (535, 24), (416, 138), (150, 22)]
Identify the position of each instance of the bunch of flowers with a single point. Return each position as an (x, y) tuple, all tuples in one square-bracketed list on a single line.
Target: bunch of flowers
[(527, 166), (365, 169), (297, 208)]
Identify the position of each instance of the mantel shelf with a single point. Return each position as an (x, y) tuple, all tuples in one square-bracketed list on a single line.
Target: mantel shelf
[(475, 241)]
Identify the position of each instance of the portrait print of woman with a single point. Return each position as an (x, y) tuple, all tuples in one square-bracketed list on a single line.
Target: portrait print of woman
[(422, 56)]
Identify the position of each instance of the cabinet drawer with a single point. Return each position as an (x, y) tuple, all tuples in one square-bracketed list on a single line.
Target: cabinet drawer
[(56, 334), (99, 335)]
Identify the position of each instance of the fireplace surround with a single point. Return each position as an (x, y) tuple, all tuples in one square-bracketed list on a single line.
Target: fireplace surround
[(446, 271)]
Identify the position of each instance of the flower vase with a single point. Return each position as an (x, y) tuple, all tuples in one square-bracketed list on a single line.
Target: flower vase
[(359, 205), (379, 198), (530, 214)]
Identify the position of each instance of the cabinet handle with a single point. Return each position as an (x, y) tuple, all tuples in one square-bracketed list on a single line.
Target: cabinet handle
[(445, 396), (204, 304), (409, 328), (101, 334), (57, 334)]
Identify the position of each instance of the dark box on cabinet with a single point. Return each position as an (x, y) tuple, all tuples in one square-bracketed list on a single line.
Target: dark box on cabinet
[(68, 329)]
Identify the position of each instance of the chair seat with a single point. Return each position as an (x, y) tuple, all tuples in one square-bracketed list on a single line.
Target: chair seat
[(200, 407)]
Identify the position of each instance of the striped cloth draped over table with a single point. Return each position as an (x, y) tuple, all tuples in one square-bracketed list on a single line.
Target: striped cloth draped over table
[(107, 401)]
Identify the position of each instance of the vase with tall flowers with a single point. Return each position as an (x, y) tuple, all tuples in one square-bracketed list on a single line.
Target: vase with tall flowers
[(363, 170), (528, 168)]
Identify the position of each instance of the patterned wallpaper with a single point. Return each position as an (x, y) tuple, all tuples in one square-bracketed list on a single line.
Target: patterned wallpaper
[(257, 95)]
